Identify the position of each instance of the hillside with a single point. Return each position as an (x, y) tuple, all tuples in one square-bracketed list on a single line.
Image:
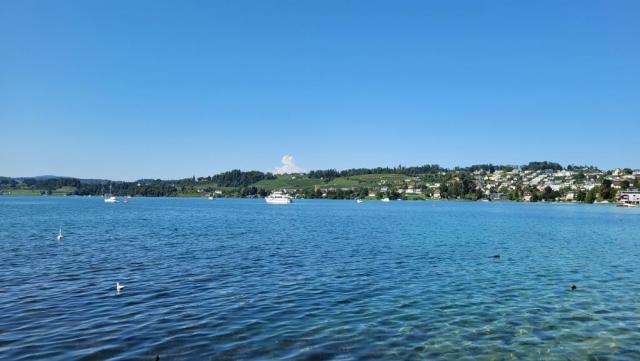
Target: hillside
[(532, 182)]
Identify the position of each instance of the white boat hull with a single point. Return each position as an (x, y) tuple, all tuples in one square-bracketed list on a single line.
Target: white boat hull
[(277, 200), (627, 205)]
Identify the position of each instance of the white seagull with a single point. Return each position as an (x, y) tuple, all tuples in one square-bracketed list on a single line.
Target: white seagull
[(60, 237), (119, 287)]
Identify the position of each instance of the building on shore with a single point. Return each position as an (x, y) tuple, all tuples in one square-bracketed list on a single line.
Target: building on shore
[(570, 196), (499, 197), (631, 196)]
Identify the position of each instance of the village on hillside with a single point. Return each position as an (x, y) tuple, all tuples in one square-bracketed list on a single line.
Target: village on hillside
[(516, 184)]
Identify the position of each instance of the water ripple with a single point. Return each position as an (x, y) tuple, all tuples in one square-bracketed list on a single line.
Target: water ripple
[(317, 280)]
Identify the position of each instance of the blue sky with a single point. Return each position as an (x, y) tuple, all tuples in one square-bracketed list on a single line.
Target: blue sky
[(125, 90)]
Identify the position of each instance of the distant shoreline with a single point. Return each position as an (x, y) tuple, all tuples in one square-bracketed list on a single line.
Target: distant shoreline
[(533, 182), (310, 199)]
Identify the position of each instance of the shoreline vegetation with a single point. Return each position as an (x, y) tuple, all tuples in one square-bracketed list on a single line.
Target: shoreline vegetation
[(533, 182)]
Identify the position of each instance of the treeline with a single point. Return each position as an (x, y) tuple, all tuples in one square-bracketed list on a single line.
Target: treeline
[(329, 174), (588, 168), (535, 166), (7, 182), (486, 167), (51, 183), (237, 178), (154, 188)]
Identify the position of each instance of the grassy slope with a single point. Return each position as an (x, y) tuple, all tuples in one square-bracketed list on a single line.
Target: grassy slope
[(287, 181), (367, 180), (24, 191)]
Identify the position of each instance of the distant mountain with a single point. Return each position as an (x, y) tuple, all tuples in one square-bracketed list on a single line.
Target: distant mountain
[(42, 177), (94, 181)]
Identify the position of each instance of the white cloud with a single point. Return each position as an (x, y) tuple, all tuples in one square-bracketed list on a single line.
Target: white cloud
[(288, 166)]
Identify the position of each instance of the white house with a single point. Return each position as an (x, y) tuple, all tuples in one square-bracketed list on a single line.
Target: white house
[(629, 196)]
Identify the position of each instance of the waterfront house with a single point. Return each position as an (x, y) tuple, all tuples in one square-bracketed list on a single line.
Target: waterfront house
[(631, 196), (499, 196)]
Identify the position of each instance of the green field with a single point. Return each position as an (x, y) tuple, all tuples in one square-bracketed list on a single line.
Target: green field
[(369, 180), (359, 181), (288, 181), (37, 192), (22, 192)]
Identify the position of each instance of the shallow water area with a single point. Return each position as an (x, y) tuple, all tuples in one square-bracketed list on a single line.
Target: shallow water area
[(316, 280)]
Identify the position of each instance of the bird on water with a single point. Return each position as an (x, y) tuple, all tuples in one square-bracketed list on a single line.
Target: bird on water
[(573, 288)]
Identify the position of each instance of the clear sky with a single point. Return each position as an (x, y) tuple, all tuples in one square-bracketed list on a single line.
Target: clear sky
[(168, 89)]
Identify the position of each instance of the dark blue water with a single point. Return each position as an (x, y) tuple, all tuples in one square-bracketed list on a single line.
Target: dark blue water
[(316, 280)]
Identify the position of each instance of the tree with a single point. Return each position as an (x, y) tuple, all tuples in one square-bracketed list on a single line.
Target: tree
[(535, 195), (624, 184), (591, 195), (606, 191), (238, 178), (542, 166), (548, 194)]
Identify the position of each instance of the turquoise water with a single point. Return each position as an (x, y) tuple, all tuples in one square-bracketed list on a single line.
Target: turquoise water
[(317, 280)]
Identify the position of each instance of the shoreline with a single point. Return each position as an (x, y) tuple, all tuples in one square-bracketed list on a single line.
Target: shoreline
[(322, 199)]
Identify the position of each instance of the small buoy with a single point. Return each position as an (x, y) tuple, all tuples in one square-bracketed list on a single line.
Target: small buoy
[(60, 237), (119, 287), (573, 288)]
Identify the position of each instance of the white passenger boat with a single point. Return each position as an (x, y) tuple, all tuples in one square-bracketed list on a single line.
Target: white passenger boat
[(278, 198)]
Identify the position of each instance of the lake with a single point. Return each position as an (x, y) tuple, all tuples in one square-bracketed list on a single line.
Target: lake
[(317, 280)]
